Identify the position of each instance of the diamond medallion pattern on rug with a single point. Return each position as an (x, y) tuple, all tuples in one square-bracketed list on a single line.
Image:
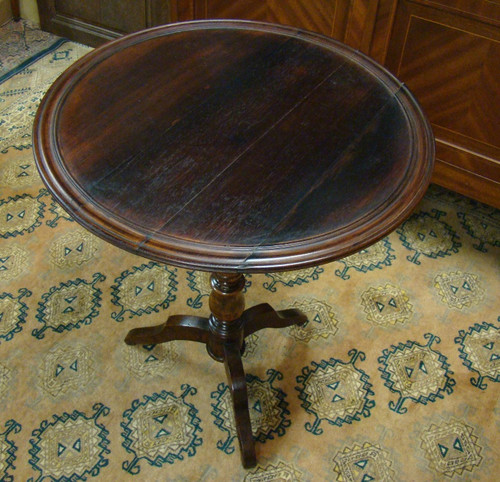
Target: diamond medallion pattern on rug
[(13, 313), (71, 447), (321, 321), (451, 448), (458, 289), (161, 429), (371, 300), (13, 262), (8, 450), (480, 352), (17, 118), (416, 372), (69, 305), (149, 361), (425, 234), (365, 463), (335, 391), (267, 407), (483, 227), (292, 278), (143, 289), (251, 344), (199, 282), (386, 305), (275, 471), (58, 213), (19, 173), (21, 214), (68, 369), (73, 249), (368, 259)]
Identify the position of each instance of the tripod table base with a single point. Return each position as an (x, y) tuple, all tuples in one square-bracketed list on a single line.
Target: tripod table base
[(224, 334)]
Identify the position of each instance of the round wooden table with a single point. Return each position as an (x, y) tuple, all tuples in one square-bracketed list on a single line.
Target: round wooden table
[(232, 147)]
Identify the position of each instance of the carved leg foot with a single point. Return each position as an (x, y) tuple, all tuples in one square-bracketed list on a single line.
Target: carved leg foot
[(238, 387), (177, 327), (264, 316)]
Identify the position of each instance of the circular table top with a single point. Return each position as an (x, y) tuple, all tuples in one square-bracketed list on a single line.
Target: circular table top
[(233, 146)]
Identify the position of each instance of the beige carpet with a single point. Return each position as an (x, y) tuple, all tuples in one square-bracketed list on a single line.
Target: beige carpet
[(395, 376)]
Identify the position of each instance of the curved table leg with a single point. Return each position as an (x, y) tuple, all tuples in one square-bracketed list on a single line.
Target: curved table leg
[(264, 316), (224, 336), (177, 327), (238, 387)]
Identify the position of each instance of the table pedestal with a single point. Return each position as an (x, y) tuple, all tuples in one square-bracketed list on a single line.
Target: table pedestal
[(224, 334)]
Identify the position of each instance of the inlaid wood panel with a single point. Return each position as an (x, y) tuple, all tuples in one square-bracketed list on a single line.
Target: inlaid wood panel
[(451, 63), (485, 10), (350, 21)]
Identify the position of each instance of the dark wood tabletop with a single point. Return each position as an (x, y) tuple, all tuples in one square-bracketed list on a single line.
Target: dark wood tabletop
[(233, 146)]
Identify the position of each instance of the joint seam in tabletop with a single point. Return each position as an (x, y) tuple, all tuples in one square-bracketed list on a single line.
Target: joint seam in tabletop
[(149, 244), (187, 114), (145, 237), (427, 150), (286, 32), (141, 236), (328, 173), (107, 213), (249, 147)]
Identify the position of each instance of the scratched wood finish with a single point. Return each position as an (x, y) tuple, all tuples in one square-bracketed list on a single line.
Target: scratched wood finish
[(233, 146)]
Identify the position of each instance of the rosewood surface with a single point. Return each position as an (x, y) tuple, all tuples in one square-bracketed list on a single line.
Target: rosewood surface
[(232, 147), (446, 52)]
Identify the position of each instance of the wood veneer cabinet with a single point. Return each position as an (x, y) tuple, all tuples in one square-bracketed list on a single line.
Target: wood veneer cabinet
[(94, 22), (446, 51), (350, 21)]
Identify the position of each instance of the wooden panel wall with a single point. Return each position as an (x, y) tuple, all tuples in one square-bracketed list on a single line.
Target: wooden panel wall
[(448, 53), (94, 22), (350, 21)]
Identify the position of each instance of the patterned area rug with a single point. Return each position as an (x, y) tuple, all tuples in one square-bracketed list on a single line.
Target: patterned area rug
[(22, 43), (394, 377)]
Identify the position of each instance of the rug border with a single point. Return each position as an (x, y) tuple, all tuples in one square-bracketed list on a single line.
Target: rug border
[(32, 59)]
